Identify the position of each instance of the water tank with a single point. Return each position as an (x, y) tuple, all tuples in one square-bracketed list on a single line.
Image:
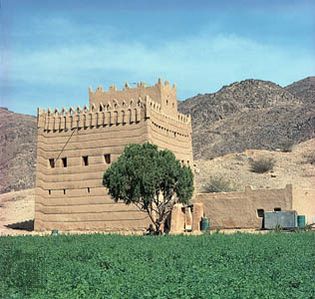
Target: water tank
[(282, 219)]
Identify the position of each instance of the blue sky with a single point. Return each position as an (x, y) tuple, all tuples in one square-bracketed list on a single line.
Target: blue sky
[(51, 51)]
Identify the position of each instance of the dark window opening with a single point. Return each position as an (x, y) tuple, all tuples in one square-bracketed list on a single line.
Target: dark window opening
[(277, 209), (64, 191), (52, 163), (107, 158), (187, 161), (85, 160), (88, 190), (64, 162), (183, 162), (260, 212), (49, 192)]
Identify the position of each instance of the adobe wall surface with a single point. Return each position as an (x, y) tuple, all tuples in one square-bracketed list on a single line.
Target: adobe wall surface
[(304, 203), (173, 133), (239, 209), (79, 210), (72, 197), (162, 93)]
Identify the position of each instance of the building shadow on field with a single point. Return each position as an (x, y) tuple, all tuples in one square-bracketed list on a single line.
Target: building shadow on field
[(27, 225)]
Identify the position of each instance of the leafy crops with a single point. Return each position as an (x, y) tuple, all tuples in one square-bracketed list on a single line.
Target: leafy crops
[(275, 265)]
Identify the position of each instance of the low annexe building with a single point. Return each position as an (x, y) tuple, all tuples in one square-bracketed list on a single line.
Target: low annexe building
[(76, 146)]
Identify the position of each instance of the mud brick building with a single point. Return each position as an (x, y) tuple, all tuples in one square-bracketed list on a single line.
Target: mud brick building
[(76, 146)]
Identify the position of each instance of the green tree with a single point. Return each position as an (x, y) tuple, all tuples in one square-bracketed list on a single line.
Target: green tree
[(152, 180)]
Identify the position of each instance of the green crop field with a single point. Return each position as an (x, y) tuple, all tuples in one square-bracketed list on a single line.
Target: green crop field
[(274, 265)]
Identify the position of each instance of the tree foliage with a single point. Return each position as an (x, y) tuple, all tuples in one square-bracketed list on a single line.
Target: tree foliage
[(153, 180)]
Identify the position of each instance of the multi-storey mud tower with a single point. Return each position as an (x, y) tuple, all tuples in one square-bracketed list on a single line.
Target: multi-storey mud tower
[(75, 147)]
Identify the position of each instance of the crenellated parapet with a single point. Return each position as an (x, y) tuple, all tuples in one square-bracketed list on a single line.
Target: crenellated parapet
[(107, 114), (93, 116), (162, 92), (139, 87), (157, 108)]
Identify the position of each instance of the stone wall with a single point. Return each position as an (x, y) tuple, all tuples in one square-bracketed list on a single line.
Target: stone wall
[(240, 209)]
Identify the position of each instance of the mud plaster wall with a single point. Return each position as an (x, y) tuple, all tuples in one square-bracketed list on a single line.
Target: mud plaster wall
[(304, 203), (162, 93), (239, 209)]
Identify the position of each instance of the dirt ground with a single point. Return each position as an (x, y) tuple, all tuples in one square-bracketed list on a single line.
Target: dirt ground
[(289, 168), (17, 212)]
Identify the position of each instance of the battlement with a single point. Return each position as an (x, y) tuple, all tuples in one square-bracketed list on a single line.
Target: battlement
[(111, 113), (140, 86), (162, 93)]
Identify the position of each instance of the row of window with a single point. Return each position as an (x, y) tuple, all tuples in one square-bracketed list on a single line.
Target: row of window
[(64, 191), (85, 161)]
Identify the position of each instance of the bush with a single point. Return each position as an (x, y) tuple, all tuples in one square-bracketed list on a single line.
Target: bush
[(218, 184), (262, 165), (310, 158)]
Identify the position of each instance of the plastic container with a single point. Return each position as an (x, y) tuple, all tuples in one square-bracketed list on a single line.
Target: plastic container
[(204, 225), (301, 221)]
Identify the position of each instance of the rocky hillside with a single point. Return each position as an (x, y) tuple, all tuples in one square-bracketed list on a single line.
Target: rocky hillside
[(17, 151), (303, 89), (250, 114)]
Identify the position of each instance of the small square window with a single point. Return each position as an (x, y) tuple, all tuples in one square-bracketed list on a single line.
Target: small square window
[(64, 162), (64, 191), (107, 158), (85, 160), (260, 212), (52, 163), (88, 190), (277, 209), (49, 192)]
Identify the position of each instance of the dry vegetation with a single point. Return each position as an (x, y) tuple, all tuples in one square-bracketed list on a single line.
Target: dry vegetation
[(290, 168)]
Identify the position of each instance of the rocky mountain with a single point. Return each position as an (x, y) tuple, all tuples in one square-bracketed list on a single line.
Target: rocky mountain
[(17, 151), (303, 89), (252, 114)]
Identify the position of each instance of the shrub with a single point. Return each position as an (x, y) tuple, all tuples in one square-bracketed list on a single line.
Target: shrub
[(218, 184), (262, 165), (310, 158)]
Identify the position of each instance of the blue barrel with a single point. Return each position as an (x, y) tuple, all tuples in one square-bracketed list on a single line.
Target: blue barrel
[(301, 221), (204, 225)]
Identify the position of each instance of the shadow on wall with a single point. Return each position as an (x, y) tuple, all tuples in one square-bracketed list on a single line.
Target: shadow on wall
[(27, 225)]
